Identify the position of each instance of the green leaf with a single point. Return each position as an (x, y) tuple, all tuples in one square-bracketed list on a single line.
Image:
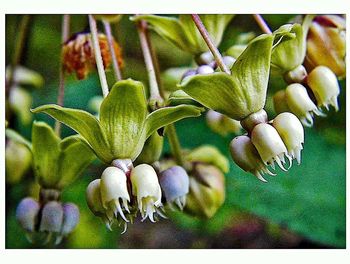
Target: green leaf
[(46, 151), (170, 29), (74, 157), (288, 54), (25, 76), (122, 116), (241, 93), (83, 123), (12, 134), (168, 115), (179, 97)]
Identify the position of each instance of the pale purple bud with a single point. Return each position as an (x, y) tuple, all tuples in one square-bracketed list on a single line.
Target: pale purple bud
[(27, 213), (51, 217), (70, 218), (205, 69), (229, 61), (175, 185), (189, 73)]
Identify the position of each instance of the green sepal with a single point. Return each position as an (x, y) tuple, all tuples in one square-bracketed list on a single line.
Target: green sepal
[(241, 93), (210, 155), (179, 97), (75, 156), (46, 150), (290, 52), (183, 33), (85, 124), (151, 150), (122, 117), (20, 101)]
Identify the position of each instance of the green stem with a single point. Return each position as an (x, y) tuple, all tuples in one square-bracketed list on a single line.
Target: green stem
[(98, 57), (152, 62), (262, 23), (206, 37), (154, 90), (116, 69), (60, 97), (175, 144), (17, 54)]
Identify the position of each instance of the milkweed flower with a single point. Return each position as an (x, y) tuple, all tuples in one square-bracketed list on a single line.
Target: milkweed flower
[(324, 84), (291, 131), (174, 183), (146, 188), (247, 157), (269, 145)]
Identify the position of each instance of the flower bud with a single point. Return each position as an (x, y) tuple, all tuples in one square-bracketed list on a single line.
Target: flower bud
[(70, 218), (247, 157), (296, 75), (146, 188), (205, 58), (324, 85), (204, 200), (269, 145), (175, 185), (229, 61), (300, 104), (93, 197), (222, 124), (18, 160), (27, 214), (114, 187), (51, 217), (326, 44), (204, 69), (253, 119), (189, 73), (291, 131), (280, 102)]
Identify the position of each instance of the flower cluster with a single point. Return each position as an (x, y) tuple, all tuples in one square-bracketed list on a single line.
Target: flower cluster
[(268, 143), (47, 220), (78, 55)]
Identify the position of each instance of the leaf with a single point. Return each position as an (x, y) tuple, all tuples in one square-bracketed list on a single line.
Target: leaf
[(45, 154), (169, 28), (83, 123), (179, 97), (15, 136), (74, 157), (242, 93), (122, 117), (168, 115), (289, 54), (25, 76)]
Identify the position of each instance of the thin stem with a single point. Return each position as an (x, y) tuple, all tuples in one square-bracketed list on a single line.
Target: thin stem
[(175, 144), (262, 23), (17, 54), (116, 69), (60, 96), (154, 90), (98, 57), (214, 50)]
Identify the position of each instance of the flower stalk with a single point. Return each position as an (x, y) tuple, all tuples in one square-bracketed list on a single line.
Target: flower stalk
[(60, 97), (98, 57), (214, 50), (262, 23), (116, 68)]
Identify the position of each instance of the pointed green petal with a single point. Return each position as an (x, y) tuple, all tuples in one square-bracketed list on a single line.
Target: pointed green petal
[(46, 151), (122, 116), (75, 156), (83, 123)]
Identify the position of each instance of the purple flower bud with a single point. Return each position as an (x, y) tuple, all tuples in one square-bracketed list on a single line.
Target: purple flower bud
[(188, 73), (51, 217), (70, 218), (205, 69), (229, 61), (27, 213), (175, 185)]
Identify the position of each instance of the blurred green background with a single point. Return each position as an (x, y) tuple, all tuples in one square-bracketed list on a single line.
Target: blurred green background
[(302, 208)]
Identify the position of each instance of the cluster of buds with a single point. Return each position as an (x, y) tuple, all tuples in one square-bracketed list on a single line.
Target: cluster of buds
[(48, 219), (268, 143), (321, 90), (124, 190), (78, 55), (208, 65), (222, 124)]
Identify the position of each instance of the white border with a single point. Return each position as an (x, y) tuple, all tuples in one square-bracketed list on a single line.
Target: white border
[(162, 256)]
